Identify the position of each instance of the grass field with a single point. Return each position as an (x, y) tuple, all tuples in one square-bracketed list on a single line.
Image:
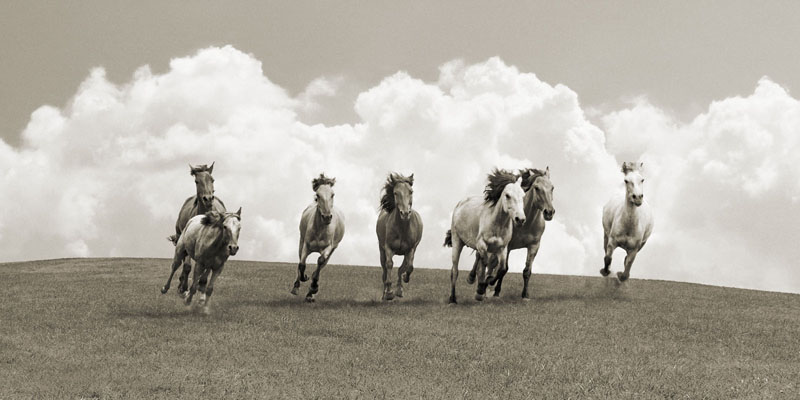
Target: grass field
[(99, 328)]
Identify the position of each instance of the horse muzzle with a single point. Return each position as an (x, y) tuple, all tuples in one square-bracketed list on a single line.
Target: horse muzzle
[(233, 249), (326, 219), (519, 221), (548, 214)]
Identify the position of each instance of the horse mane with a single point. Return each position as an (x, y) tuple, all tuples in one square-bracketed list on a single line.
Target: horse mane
[(387, 199), (194, 169), (212, 218), (529, 176), (322, 180), (628, 166), (498, 180)]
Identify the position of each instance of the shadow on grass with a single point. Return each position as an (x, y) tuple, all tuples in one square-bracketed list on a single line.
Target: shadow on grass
[(299, 302)]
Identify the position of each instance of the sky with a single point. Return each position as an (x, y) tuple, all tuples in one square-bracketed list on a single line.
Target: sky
[(105, 104)]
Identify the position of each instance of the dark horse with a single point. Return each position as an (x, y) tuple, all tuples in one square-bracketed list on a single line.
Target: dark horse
[(201, 203), (399, 231)]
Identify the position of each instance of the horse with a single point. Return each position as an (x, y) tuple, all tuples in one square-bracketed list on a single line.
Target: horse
[(627, 221), (486, 225), (538, 204), (202, 202), (321, 230), (399, 230), (209, 239)]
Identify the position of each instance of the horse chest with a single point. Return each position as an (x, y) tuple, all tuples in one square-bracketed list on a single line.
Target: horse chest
[(319, 242), (400, 246)]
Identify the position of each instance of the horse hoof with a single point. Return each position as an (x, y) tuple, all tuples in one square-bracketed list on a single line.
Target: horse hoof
[(406, 277), (399, 293), (164, 290), (206, 310), (309, 299), (294, 291), (304, 278), (183, 295), (621, 276), (604, 271), (496, 294), (452, 301), (388, 296), (479, 297), (470, 279), (491, 280)]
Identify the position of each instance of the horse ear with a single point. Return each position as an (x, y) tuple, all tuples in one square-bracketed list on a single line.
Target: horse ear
[(411, 179), (519, 181), (547, 171), (239, 213), (191, 169), (333, 181), (211, 168), (641, 165)]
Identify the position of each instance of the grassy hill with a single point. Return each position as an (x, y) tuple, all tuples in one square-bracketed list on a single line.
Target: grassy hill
[(99, 328)]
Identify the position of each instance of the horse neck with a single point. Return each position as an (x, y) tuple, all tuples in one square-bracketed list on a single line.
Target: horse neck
[(218, 243), (499, 216), (399, 223), (317, 222), (532, 211)]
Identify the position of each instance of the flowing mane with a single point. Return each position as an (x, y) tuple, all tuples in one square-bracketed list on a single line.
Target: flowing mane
[(498, 180), (529, 176), (194, 169), (387, 199), (322, 180)]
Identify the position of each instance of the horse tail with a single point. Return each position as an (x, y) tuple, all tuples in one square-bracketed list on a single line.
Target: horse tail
[(173, 239), (448, 238)]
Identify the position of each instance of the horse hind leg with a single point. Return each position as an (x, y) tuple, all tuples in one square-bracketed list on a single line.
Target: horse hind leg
[(474, 271), (609, 248), (322, 261), (176, 262), (183, 287), (629, 258), (301, 269), (458, 245)]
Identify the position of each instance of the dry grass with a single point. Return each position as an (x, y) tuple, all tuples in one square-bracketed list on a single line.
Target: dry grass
[(99, 328)]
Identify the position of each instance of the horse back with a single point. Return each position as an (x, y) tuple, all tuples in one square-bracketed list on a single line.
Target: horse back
[(191, 209), (467, 219)]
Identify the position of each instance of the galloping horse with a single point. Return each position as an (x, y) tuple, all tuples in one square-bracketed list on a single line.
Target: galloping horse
[(201, 203), (321, 230), (209, 240), (538, 204), (486, 225), (627, 221), (399, 230)]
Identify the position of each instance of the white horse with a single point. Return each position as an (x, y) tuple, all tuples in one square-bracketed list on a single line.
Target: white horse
[(486, 225), (209, 239), (627, 221), (321, 230)]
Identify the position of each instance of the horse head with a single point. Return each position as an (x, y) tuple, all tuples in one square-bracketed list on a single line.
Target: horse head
[(232, 224), (398, 194), (323, 196), (634, 182), (539, 182), (505, 189), (204, 183)]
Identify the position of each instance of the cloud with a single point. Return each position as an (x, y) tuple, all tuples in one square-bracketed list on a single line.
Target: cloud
[(106, 174)]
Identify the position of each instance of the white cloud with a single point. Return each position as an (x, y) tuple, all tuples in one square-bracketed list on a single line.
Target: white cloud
[(106, 175)]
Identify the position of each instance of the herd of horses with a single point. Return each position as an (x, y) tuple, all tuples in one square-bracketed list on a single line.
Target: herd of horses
[(510, 215)]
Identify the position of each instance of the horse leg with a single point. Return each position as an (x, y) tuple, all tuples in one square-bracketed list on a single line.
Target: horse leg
[(623, 276), (176, 262), (322, 261), (609, 247), (210, 287), (183, 287), (474, 271), (458, 245), (198, 270), (485, 258), (405, 271), (301, 268), (387, 270), (526, 273), (500, 275)]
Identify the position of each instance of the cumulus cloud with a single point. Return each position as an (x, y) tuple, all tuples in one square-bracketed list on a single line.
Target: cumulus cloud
[(106, 174)]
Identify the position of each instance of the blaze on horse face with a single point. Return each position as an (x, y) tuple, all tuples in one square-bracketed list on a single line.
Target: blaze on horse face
[(204, 183), (403, 198), (511, 201), (324, 199), (634, 182), (543, 194), (232, 226)]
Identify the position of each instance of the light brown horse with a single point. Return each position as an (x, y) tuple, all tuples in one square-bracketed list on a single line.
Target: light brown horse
[(202, 202), (486, 224), (321, 230), (538, 204), (209, 240), (399, 230), (627, 221)]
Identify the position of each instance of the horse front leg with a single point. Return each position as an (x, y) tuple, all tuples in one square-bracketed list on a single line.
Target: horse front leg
[(301, 269), (210, 287), (526, 273), (500, 275), (176, 262), (387, 270), (183, 287), (609, 247), (198, 270), (498, 268), (474, 271), (623, 276), (322, 261), (405, 270)]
